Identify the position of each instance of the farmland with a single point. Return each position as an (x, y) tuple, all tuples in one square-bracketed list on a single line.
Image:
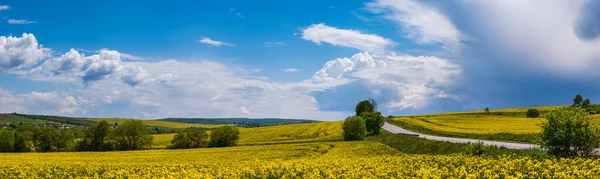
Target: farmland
[(313, 160), (156, 123), (291, 133), (316, 150), (502, 124)]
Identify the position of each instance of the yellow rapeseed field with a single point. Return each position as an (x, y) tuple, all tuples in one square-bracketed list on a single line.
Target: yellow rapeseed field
[(156, 123), (289, 133), (479, 123), (476, 124), (312, 160)]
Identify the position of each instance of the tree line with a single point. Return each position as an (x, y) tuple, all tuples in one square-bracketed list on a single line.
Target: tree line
[(129, 135)]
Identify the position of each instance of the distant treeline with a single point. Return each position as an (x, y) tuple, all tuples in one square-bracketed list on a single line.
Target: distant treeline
[(243, 122)]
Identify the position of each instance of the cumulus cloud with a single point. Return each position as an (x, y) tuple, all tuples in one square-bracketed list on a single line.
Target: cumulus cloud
[(209, 41), (319, 33), (74, 66), (413, 81), (52, 103), (422, 23), (20, 52), (20, 21)]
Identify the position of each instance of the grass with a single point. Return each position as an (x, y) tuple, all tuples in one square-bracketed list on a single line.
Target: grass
[(157, 123), (8, 118), (415, 145)]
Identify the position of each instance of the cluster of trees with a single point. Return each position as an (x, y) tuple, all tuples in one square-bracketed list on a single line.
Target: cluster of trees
[(532, 113), (131, 135), (579, 102), (225, 136), (366, 120)]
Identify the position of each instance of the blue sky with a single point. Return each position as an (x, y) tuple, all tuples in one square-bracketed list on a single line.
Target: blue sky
[(306, 59)]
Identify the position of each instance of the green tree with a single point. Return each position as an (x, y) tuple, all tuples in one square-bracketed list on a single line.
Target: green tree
[(586, 103), (225, 136), (24, 140), (486, 110), (354, 128), (131, 135), (190, 138), (7, 140), (373, 121), (577, 100), (364, 106), (96, 138), (532, 113), (569, 132)]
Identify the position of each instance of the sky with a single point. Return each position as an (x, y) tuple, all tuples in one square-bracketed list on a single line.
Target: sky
[(312, 59)]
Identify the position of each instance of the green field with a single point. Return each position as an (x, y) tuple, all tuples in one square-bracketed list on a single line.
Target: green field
[(157, 123), (8, 118)]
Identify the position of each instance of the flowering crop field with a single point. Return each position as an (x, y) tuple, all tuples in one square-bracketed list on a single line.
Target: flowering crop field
[(289, 133), (476, 124), (479, 123), (309, 160)]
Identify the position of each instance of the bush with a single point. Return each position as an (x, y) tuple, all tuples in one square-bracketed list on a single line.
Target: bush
[(569, 132), (364, 106), (354, 128), (190, 138), (532, 113), (477, 149), (373, 121), (132, 135), (225, 136)]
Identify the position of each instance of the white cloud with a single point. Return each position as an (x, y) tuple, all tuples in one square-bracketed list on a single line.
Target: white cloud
[(129, 56), (420, 22), (319, 33), (257, 70), (20, 52), (74, 66), (4, 7), (290, 70), (20, 21), (415, 81), (209, 41), (51, 103), (549, 38)]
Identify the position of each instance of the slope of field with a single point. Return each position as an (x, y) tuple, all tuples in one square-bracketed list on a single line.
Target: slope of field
[(289, 133), (502, 124), (313, 160), (156, 123), (9, 118), (476, 124)]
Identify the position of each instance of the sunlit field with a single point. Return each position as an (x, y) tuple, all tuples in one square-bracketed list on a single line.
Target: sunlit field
[(312, 160), (476, 124), (290, 133)]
